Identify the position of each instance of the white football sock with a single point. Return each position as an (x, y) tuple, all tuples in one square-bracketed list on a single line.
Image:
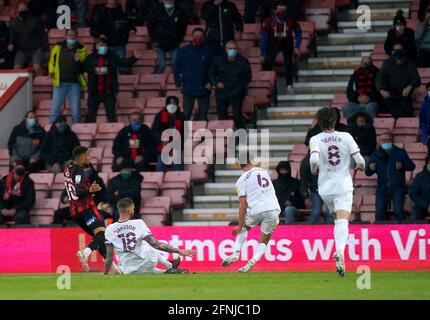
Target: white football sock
[(261, 249), (341, 232), (163, 261), (240, 240), (87, 252)]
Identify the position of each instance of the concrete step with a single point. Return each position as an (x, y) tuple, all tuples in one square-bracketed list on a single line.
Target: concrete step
[(220, 188), (206, 202), (356, 38), (384, 4), (384, 13), (325, 75), (300, 100), (275, 150), (273, 162), (335, 62), (353, 50), (211, 214), (291, 112), (320, 87), (285, 125)]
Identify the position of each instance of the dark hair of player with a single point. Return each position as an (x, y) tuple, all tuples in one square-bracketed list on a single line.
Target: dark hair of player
[(327, 118), (79, 150), (124, 204)]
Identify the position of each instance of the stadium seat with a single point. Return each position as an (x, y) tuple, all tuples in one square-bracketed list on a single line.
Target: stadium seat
[(43, 211), (107, 160), (175, 185), (364, 181), (383, 125), (86, 133), (57, 186), (406, 126), (4, 158), (159, 202), (42, 183), (151, 85), (151, 184), (153, 216), (96, 156), (199, 172), (106, 132)]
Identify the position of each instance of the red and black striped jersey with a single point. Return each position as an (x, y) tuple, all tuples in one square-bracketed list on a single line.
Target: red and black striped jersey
[(78, 189)]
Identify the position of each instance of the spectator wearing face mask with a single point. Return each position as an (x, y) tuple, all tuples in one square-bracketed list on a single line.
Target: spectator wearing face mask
[(127, 184), (230, 75), (425, 119), (361, 90), (420, 193), (396, 82), (135, 143), (25, 143), (223, 23), (167, 24), (17, 196), (171, 117), (422, 35), (360, 126), (101, 67), (109, 21), (287, 191), (28, 39), (58, 145), (277, 36), (65, 75), (390, 163), (191, 75), (400, 33)]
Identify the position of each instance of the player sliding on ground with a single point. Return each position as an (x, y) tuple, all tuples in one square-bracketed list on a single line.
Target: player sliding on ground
[(258, 205), (136, 247), (83, 210), (330, 156)]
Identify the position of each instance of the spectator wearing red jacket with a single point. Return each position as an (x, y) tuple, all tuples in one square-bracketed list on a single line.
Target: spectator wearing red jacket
[(277, 36)]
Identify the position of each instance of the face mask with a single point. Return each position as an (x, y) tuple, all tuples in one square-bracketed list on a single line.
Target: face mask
[(102, 50), (399, 54), (172, 108), (387, 146), (198, 41), (232, 53), (62, 127), (71, 42), (136, 125), (126, 175), (428, 167), (428, 94), (20, 172), (24, 14), (168, 6), (31, 122)]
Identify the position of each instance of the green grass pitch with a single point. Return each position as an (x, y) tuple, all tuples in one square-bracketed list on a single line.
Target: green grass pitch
[(270, 286)]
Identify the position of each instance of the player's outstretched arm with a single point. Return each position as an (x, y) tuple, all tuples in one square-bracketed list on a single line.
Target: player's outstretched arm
[(167, 248), (109, 258)]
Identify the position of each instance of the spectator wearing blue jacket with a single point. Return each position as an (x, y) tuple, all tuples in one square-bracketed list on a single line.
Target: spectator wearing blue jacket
[(420, 193), (425, 119), (191, 75), (277, 36), (389, 162)]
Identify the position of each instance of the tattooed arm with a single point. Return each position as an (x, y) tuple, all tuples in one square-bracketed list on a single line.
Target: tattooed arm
[(165, 247), (109, 258)]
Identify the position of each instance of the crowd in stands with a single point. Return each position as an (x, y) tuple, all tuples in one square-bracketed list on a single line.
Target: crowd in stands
[(211, 64)]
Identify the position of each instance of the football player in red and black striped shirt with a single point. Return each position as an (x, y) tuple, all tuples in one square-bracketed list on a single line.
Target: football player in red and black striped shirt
[(83, 210)]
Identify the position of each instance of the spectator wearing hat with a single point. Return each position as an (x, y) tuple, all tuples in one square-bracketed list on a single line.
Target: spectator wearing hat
[(425, 119), (396, 82), (167, 24), (420, 193), (400, 33), (57, 145), (171, 117), (127, 184), (223, 23), (277, 36), (65, 75), (102, 69), (361, 90), (230, 75), (191, 75), (287, 191), (25, 143), (17, 196), (360, 126), (136, 143)]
